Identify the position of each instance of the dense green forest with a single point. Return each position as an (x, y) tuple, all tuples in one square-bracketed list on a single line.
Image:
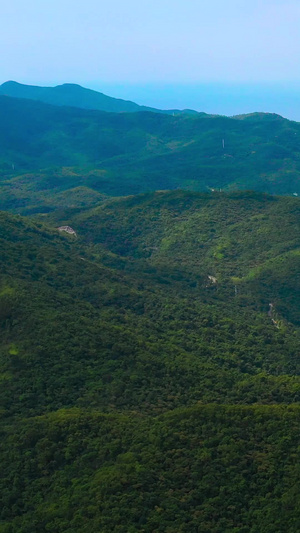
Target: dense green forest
[(149, 360), (147, 384), (52, 156), (209, 468)]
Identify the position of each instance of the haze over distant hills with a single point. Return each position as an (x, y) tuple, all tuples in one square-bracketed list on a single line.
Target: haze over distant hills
[(128, 153), (213, 98), (149, 354), (70, 94), (220, 98)]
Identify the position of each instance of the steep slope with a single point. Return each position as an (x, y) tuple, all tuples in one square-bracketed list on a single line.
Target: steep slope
[(138, 394), (156, 335), (247, 241)]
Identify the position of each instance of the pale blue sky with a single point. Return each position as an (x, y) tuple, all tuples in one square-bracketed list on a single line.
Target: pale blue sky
[(150, 40), (100, 43)]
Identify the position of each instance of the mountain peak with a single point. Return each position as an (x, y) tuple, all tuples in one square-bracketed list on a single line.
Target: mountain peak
[(70, 94), (74, 95)]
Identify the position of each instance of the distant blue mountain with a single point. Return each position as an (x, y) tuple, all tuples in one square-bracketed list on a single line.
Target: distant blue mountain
[(73, 95)]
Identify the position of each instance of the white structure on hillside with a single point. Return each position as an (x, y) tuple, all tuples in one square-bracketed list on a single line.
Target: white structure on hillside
[(67, 229)]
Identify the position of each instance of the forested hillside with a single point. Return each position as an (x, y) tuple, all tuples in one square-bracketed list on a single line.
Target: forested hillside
[(46, 151), (246, 241), (147, 382), (209, 468)]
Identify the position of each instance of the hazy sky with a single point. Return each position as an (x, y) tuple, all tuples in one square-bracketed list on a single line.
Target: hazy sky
[(222, 56), (94, 41)]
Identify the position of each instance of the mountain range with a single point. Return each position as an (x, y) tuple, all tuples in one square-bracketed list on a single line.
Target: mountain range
[(47, 150), (149, 320), (71, 94)]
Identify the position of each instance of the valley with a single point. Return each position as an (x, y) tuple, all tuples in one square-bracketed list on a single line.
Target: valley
[(149, 321)]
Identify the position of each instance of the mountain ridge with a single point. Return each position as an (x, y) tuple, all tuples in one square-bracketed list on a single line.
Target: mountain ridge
[(46, 150), (74, 95)]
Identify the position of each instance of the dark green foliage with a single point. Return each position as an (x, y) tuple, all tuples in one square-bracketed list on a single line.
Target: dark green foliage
[(136, 393), (208, 468), (247, 240)]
